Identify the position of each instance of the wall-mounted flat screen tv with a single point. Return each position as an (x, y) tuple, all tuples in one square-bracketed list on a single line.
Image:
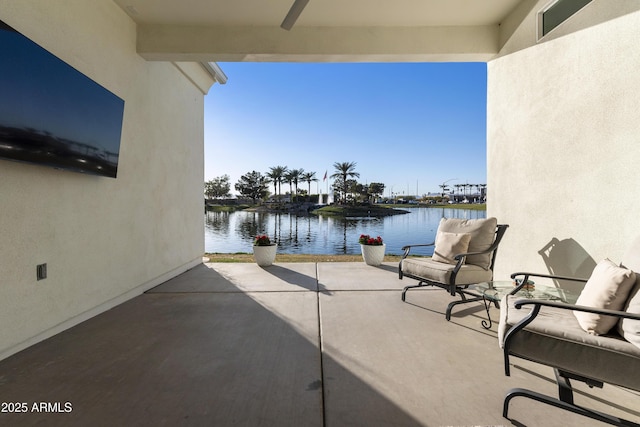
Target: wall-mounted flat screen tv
[(52, 114)]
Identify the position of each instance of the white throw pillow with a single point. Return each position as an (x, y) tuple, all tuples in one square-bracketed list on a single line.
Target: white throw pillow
[(608, 287), (448, 245)]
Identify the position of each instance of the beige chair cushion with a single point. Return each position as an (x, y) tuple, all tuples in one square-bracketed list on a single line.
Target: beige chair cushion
[(482, 233), (448, 245), (440, 272), (608, 287), (629, 328), (555, 338)]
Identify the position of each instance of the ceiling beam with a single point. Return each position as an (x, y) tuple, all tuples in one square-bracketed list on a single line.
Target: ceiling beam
[(293, 15), (309, 44)]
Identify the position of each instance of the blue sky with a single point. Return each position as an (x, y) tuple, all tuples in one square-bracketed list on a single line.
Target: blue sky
[(410, 126)]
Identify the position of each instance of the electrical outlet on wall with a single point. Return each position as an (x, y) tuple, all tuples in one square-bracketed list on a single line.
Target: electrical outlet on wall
[(42, 271)]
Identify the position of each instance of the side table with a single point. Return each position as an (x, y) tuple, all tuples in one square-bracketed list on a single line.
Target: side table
[(494, 291)]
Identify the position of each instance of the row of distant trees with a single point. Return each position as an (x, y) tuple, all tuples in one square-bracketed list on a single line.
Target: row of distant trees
[(256, 185)]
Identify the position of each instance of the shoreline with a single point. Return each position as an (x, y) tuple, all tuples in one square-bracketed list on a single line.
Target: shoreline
[(248, 257), (379, 209)]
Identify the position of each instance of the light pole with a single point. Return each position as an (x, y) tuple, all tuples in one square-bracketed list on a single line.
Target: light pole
[(444, 187)]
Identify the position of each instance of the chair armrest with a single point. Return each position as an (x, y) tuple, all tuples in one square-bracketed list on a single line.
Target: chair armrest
[(466, 254), (407, 248), (415, 246), (604, 311), (461, 258), (548, 276)]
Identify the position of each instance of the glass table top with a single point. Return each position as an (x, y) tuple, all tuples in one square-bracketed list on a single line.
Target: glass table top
[(496, 290)]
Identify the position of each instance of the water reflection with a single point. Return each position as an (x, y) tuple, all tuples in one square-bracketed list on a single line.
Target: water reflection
[(234, 231)]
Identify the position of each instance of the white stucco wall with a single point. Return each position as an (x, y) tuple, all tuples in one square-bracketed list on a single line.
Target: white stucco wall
[(104, 240), (563, 133)]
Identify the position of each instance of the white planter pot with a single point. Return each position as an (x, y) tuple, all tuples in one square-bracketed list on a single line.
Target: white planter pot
[(265, 255), (373, 254)]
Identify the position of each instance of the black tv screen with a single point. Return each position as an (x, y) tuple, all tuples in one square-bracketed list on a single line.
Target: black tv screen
[(52, 114)]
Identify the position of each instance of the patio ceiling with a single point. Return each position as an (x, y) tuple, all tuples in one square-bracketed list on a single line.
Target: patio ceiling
[(327, 30)]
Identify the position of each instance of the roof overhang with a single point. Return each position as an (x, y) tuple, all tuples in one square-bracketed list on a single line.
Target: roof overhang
[(327, 30)]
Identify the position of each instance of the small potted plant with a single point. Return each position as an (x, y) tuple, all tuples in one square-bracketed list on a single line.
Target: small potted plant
[(372, 249), (264, 252)]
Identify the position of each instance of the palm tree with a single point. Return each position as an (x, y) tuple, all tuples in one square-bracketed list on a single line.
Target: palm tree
[(288, 178), (296, 175), (343, 172), (276, 174), (308, 177)]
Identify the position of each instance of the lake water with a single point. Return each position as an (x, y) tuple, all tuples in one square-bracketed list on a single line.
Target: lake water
[(229, 232)]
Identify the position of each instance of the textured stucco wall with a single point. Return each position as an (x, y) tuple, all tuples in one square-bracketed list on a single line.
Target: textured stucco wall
[(104, 240), (563, 134)]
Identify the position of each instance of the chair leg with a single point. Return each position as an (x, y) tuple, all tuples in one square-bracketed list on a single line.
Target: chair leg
[(565, 392), (406, 288), (605, 418), (463, 296), (463, 300)]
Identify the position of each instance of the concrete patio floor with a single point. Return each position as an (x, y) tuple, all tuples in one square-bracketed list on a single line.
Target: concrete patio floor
[(300, 344)]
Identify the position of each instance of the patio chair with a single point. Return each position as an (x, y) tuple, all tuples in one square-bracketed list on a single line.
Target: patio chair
[(464, 254), (595, 340)]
